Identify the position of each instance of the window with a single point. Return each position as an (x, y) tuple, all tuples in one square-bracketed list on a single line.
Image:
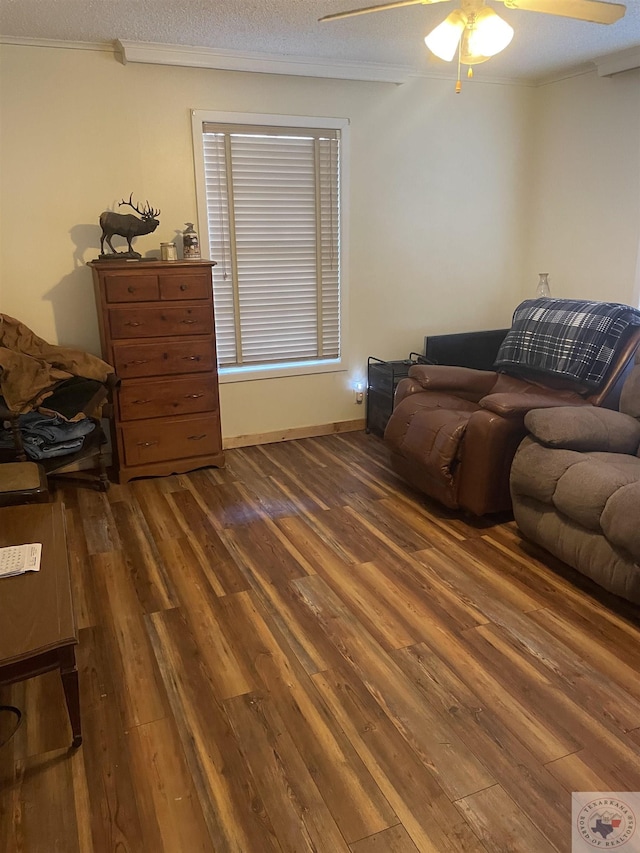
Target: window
[(269, 192)]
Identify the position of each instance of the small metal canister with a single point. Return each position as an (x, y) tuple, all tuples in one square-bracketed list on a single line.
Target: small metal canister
[(168, 252)]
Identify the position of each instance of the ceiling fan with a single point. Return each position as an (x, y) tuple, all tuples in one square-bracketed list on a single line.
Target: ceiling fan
[(477, 33)]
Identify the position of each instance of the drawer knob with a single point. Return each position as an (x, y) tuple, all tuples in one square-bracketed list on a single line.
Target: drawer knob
[(140, 402), (193, 396), (146, 443), (184, 286), (139, 361), (132, 323), (197, 437), (191, 357), (188, 322)]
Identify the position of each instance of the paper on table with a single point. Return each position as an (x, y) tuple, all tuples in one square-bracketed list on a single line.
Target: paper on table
[(18, 559)]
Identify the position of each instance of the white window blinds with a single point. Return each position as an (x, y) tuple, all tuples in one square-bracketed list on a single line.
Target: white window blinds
[(272, 198)]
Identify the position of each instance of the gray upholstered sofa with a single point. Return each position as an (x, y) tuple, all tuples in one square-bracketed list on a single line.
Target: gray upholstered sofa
[(575, 485)]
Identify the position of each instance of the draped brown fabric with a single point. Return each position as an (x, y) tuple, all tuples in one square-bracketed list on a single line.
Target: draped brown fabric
[(31, 368)]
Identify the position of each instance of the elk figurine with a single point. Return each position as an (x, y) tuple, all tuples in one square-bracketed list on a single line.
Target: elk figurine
[(128, 226)]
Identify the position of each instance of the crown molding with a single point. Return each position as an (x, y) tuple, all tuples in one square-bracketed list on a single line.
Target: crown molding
[(229, 60), (105, 46), (605, 66), (567, 74), (262, 63), (615, 63)]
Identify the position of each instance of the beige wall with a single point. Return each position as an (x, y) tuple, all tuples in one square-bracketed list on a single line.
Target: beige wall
[(439, 191), (584, 222)]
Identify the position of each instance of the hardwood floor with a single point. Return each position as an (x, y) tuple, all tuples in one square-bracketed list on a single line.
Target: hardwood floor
[(298, 653)]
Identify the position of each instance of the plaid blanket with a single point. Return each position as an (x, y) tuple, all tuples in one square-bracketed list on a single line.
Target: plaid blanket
[(572, 338)]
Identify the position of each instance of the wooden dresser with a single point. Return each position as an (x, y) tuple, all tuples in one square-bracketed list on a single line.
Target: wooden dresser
[(157, 330)]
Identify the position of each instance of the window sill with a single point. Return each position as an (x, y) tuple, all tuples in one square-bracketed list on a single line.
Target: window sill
[(277, 371)]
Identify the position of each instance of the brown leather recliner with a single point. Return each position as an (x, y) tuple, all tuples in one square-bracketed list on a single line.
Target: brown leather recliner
[(454, 431)]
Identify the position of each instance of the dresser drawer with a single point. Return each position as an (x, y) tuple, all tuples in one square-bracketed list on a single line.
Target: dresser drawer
[(162, 439), (163, 358), (131, 288), (156, 398), (186, 286), (155, 322)]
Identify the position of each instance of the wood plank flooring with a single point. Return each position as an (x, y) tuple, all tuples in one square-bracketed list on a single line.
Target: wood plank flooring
[(298, 653)]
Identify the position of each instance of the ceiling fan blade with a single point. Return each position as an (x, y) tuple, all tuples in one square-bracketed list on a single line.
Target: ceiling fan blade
[(368, 9), (584, 10)]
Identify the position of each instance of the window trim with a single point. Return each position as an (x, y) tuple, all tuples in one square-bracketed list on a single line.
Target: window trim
[(198, 118)]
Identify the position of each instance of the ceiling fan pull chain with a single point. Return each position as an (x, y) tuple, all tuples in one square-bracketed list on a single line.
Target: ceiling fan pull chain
[(458, 82)]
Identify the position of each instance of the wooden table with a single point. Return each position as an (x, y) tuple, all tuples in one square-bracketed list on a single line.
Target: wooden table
[(37, 625)]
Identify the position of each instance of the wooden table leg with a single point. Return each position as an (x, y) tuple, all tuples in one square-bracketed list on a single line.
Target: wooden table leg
[(69, 674)]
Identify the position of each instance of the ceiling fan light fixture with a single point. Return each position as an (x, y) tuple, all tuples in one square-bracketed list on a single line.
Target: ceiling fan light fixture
[(443, 41), (486, 35)]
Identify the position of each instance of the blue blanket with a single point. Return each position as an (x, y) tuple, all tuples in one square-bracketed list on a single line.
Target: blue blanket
[(572, 338)]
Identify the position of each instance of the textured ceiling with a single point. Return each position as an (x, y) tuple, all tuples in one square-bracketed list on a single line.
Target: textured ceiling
[(543, 45)]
